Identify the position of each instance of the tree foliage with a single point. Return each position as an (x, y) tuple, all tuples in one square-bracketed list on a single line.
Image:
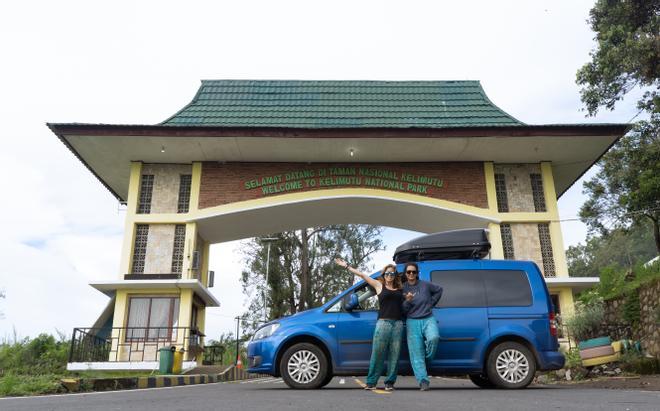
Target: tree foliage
[(621, 248), (301, 271), (626, 56), (626, 189)]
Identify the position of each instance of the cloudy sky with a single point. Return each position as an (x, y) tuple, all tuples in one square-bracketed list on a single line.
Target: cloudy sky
[(139, 62)]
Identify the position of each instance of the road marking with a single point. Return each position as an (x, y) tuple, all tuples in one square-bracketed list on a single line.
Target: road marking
[(270, 380), (377, 391), (256, 380)]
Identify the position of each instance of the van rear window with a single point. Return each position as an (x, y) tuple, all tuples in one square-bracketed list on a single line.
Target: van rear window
[(481, 288), (507, 288)]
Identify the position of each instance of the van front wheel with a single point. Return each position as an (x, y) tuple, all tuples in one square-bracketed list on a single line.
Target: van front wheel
[(511, 365), (304, 366)]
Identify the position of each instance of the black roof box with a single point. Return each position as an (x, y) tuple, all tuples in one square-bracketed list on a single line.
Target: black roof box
[(447, 245)]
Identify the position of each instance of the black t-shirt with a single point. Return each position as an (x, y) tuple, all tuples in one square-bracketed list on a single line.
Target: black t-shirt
[(390, 302)]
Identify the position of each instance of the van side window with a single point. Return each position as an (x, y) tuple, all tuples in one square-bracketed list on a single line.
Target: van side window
[(507, 288), (367, 298), (460, 288)]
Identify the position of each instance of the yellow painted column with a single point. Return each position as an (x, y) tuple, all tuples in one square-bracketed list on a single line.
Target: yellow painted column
[(491, 193), (206, 249), (495, 238), (561, 266), (566, 302), (201, 324), (188, 249), (129, 225), (185, 313), (195, 185), (495, 235), (118, 321)]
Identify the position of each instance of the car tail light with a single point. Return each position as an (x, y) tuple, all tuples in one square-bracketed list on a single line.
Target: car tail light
[(553, 324)]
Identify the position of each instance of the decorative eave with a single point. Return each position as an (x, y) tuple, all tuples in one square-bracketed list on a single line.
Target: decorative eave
[(563, 130), (575, 283), (107, 149), (110, 288)]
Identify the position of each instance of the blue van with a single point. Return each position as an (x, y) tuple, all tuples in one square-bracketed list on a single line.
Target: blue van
[(495, 317)]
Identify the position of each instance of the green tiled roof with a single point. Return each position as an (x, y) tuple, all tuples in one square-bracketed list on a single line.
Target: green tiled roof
[(341, 104)]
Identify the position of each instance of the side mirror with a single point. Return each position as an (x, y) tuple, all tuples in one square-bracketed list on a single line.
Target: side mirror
[(350, 302)]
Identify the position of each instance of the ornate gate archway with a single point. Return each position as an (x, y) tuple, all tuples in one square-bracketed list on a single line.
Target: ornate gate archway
[(248, 158)]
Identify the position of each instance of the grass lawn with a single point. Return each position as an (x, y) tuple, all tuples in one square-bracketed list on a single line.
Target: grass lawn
[(21, 385)]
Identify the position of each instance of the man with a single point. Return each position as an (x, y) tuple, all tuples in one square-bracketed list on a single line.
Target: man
[(422, 329)]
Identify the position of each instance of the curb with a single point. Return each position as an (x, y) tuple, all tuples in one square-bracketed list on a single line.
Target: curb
[(158, 381)]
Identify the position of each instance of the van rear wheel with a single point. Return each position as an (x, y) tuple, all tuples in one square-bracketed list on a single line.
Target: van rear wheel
[(480, 380), (304, 366), (511, 365)]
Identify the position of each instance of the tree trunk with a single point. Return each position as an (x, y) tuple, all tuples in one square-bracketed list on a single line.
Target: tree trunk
[(303, 303), (291, 294)]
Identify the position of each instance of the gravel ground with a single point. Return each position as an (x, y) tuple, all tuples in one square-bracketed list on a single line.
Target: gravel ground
[(644, 382)]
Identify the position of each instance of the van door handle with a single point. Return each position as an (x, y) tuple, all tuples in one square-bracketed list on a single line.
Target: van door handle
[(331, 326)]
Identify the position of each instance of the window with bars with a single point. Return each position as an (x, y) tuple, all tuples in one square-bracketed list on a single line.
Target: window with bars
[(546, 250), (537, 192), (177, 252), (146, 190), (500, 193), (140, 248), (184, 193), (507, 241)]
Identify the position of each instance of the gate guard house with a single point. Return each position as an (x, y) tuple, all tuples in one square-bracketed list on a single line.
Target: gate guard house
[(250, 158)]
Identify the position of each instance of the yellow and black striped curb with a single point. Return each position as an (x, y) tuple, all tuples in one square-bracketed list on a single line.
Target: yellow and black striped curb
[(158, 381)]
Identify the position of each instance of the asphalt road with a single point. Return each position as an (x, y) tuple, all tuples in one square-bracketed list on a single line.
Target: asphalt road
[(346, 394)]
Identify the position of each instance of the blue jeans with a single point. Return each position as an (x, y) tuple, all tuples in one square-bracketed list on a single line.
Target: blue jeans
[(386, 344), (423, 336)]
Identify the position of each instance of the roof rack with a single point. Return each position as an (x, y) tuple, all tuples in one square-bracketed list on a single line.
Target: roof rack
[(447, 245)]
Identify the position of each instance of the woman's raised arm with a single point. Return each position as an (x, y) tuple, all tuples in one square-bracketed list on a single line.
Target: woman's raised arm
[(375, 284)]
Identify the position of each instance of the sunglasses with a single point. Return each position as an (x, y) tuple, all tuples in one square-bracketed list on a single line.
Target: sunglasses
[(392, 273), (411, 272)]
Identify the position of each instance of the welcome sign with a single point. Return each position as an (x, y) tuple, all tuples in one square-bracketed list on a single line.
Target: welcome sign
[(333, 177)]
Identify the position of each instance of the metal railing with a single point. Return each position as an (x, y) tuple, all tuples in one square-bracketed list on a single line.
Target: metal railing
[(131, 344), (214, 354)]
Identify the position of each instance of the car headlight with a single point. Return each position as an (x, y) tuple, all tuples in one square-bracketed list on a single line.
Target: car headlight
[(265, 332)]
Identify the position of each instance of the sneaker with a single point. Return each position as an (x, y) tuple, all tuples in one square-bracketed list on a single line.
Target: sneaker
[(369, 387), (389, 386), (424, 386)]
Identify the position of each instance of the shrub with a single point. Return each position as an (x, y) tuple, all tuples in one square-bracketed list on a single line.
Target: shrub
[(18, 385), (41, 355), (612, 281), (586, 322), (634, 362), (572, 358), (590, 297)]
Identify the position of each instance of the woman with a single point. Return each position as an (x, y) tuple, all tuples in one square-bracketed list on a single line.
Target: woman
[(389, 328), (422, 329)]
